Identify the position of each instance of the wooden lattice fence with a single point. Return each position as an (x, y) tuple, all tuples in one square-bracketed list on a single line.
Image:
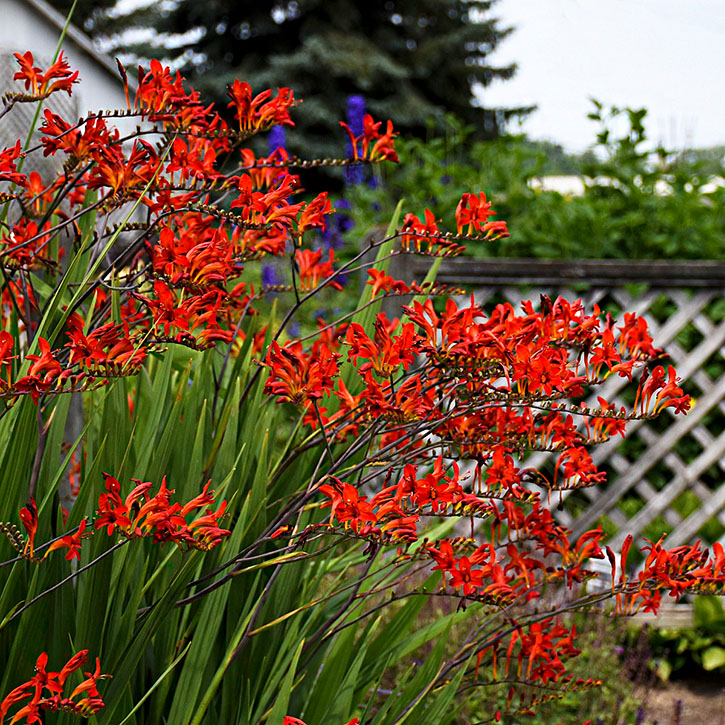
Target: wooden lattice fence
[(669, 474)]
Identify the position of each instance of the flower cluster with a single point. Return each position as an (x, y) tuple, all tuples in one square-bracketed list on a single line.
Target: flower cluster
[(457, 386), (488, 382), (422, 418), (675, 571), (185, 271), (371, 145), (45, 373), (261, 112), (139, 514), (47, 692), (40, 84)]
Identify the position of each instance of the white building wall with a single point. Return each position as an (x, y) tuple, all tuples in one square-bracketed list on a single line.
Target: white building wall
[(24, 28)]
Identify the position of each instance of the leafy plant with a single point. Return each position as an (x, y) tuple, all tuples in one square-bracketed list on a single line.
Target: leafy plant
[(635, 203), (701, 646)]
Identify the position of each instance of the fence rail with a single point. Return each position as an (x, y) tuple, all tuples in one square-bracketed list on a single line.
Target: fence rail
[(669, 474), (599, 273)]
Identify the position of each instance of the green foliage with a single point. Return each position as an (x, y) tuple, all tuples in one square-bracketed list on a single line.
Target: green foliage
[(700, 647), (600, 637), (634, 205), (123, 609)]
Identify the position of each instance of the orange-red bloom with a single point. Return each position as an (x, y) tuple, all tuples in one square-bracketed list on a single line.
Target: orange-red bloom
[(140, 515), (261, 112), (45, 692), (72, 542), (29, 519), (298, 377), (38, 82)]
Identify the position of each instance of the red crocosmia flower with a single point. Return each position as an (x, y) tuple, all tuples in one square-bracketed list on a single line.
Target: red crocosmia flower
[(29, 519), (31, 713), (444, 556), (8, 169), (415, 231), (39, 83), (38, 196), (670, 395), (313, 214), (579, 466), (108, 349), (73, 664), (605, 354), (89, 685), (113, 512), (206, 533), (472, 216), (261, 112), (205, 498), (386, 354), (297, 377), (265, 170), (115, 171), (167, 314), (72, 542), (347, 506), (25, 246), (13, 698), (45, 691), (313, 271), (42, 373), (377, 146), (140, 515), (192, 158), (7, 343), (382, 282), (635, 338), (78, 143), (466, 577), (371, 145), (501, 472)]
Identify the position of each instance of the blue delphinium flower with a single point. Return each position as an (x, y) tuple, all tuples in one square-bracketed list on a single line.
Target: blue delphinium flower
[(355, 113), (337, 225), (355, 116), (270, 277), (277, 139)]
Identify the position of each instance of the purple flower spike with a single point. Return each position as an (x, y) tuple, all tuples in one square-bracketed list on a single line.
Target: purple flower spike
[(277, 139), (269, 275), (355, 116), (355, 113)]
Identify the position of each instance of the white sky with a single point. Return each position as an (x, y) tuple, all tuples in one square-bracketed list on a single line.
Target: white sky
[(665, 55)]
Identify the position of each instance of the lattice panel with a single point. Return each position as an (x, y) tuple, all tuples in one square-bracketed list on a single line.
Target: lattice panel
[(668, 474)]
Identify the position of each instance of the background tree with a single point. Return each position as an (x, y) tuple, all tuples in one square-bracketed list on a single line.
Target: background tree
[(96, 17), (411, 60)]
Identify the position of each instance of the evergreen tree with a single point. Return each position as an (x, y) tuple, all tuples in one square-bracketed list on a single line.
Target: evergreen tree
[(95, 17), (410, 60)]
